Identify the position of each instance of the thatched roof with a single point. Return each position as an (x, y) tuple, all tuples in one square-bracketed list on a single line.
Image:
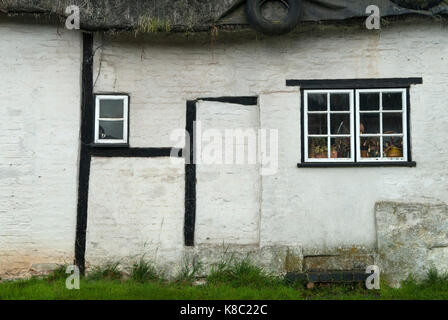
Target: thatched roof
[(193, 15), (130, 14)]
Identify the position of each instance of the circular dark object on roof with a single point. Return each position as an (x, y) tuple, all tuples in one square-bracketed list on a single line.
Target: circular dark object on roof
[(273, 17), (417, 4)]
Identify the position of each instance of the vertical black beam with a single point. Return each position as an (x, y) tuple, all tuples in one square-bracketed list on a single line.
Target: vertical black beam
[(355, 121), (408, 122), (85, 157), (302, 126), (190, 176)]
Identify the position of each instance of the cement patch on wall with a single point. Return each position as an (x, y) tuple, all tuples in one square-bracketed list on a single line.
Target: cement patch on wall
[(412, 238)]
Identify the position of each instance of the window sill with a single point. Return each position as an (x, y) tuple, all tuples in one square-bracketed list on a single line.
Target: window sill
[(409, 164), (110, 145)]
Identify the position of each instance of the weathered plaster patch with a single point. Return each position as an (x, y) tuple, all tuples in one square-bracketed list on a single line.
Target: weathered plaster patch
[(275, 259), (411, 239), (24, 264)]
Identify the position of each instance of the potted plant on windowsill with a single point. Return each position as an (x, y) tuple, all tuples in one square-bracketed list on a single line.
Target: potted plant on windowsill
[(334, 153), (370, 148), (319, 152), (341, 148), (319, 149), (394, 147), (364, 151)]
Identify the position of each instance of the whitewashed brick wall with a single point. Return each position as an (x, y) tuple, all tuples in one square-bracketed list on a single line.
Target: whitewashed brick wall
[(319, 210), (39, 141)]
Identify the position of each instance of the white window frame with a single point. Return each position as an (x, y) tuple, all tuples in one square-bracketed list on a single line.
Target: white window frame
[(381, 135), (329, 136), (125, 119)]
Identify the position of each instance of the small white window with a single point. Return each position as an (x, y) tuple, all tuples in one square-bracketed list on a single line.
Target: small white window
[(329, 126), (111, 119)]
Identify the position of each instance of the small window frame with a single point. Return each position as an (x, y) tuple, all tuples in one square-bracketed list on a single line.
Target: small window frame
[(381, 135), (329, 135), (112, 142)]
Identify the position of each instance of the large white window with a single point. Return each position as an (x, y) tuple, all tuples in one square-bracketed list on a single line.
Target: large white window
[(111, 119), (368, 125)]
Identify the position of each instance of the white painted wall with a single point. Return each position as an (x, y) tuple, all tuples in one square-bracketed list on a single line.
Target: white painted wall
[(39, 142), (324, 208), (136, 208), (318, 209)]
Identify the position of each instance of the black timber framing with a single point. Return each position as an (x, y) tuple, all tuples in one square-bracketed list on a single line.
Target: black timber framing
[(190, 176), (134, 152), (85, 157), (88, 150), (385, 83)]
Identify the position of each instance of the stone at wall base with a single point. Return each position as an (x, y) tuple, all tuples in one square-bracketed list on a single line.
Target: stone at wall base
[(44, 267)]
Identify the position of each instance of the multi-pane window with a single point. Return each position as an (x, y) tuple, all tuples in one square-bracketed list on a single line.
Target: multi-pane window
[(329, 125), (111, 119), (381, 125), (355, 125)]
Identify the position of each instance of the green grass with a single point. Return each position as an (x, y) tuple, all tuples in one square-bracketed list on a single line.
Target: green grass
[(108, 272), (242, 274), (229, 280), (143, 271)]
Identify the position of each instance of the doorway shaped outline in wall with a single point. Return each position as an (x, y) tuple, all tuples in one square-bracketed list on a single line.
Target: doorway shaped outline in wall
[(190, 166)]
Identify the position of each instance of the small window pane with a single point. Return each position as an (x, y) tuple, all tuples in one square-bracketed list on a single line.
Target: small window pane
[(393, 147), (369, 123), (110, 130), (317, 102), (370, 147), (369, 101), (340, 148), (392, 101), (339, 102), (317, 124), (318, 148), (392, 123), (111, 108), (340, 123)]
